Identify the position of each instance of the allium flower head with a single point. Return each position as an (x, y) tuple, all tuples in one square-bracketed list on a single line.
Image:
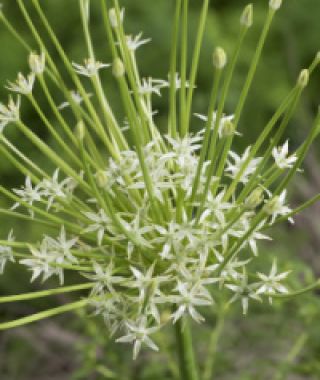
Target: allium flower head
[(155, 216)]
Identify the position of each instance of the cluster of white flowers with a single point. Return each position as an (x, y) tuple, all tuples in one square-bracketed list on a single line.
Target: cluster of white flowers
[(153, 227), (48, 190)]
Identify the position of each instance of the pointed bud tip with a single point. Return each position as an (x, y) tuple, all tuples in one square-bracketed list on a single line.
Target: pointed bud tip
[(80, 130), (303, 79), (228, 128), (254, 199), (275, 4), (102, 178), (246, 18), (219, 58), (118, 68)]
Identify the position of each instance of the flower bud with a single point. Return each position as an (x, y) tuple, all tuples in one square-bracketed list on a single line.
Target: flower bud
[(80, 130), (219, 58), (228, 129), (246, 18), (303, 79), (118, 68), (275, 4), (254, 199), (165, 317), (102, 178), (114, 18), (37, 63), (318, 57)]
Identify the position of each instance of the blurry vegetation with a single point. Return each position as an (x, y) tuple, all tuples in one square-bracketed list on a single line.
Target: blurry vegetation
[(253, 347)]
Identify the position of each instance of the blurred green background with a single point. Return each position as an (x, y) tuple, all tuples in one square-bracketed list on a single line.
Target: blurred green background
[(256, 347)]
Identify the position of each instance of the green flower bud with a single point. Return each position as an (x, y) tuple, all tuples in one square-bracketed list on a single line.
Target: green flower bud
[(37, 63), (228, 129), (303, 79), (113, 17), (246, 18), (219, 58), (102, 178), (80, 130), (275, 4), (254, 199), (118, 68)]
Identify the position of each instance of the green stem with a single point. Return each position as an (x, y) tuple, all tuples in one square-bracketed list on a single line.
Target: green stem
[(188, 368), (44, 314), (212, 350), (292, 355), (45, 293)]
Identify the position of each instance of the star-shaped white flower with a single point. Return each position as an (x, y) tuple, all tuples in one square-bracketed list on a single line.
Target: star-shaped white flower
[(138, 332), (90, 67), (271, 284), (23, 85), (281, 157), (6, 253)]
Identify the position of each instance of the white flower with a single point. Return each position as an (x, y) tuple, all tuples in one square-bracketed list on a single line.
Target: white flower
[(37, 62), (142, 281), (76, 97), (134, 43), (280, 155), (104, 278), (62, 246), (149, 86), (270, 284), (6, 253), (52, 188), (137, 231), (189, 297), (235, 168), (276, 207), (254, 236), (138, 332), (28, 194), (44, 262), (9, 113), (222, 124), (244, 292), (90, 67), (101, 223), (231, 271), (216, 207), (23, 85)]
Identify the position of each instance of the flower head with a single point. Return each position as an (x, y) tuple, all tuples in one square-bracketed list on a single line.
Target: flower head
[(90, 68), (23, 85), (9, 113)]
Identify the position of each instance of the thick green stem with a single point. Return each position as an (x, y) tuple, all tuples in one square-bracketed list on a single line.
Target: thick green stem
[(188, 370)]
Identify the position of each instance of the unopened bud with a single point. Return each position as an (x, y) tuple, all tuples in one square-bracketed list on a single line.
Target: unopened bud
[(114, 18), (317, 59), (118, 68), (37, 63), (275, 4), (165, 317), (80, 130), (228, 129), (102, 178), (246, 18), (219, 58), (303, 79), (254, 199)]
